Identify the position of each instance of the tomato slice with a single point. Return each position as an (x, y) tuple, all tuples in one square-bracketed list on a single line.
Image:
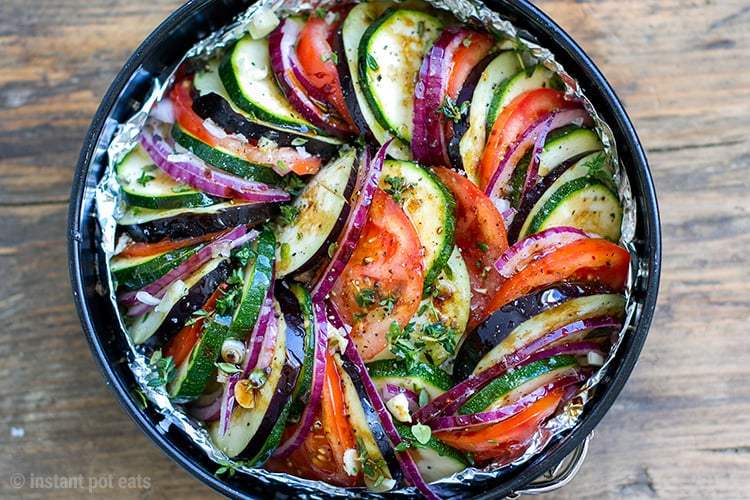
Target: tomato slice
[(504, 440), (480, 234), (382, 282), (321, 456), (592, 259), (318, 62), (474, 48), (180, 345), (181, 95), (522, 112), (146, 249)]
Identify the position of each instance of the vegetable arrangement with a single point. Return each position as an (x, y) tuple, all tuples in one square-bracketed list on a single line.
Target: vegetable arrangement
[(370, 246)]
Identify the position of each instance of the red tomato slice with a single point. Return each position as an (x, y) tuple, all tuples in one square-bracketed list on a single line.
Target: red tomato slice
[(382, 282), (318, 62), (474, 49), (480, 234), (321, 456), (522, 112), (590, 259), (145, 249), (192, 123), (180, 345), (504, 440)]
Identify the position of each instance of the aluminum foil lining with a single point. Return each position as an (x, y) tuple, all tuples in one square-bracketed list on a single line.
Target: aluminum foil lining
[(110, 207)]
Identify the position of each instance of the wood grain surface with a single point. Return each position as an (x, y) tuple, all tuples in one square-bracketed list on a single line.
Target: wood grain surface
[(681, 428)]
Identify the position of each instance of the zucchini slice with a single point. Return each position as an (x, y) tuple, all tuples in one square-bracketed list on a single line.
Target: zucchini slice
[(257, 278), (208, 82), (352, 29), (248, 79), (430, 208), (572, 144), (389, 57), (225, 160), (472, 142), (145, 185), (581, 308), (421, 376), (447, 306), (368, 431), (252, 431), (589, 178), (523, 380), (194, 374), (523, 81), (435, 459), (321, 210), (136, 272), (155, 225), (180, 301)]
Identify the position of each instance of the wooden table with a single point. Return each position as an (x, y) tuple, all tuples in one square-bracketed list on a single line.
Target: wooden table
[(681, 428)]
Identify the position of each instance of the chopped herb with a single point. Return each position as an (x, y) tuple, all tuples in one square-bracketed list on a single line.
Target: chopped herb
[(196, 316), (228, 368), (388, 303), (366, 297), (332, 56), (420, 29), (281, 164), (402, 344), (467, 41), (484, 247), (358, 316), (452, 111), (424, 398), (299, 141), (289, 214), (320, 12), (162, 370), (422, 433), (403, 445), (596, 164), (397, 186), (440, 334), (285, 251), (332, 249), (181, 189), (145, 178), (374, 469), (258, 377), (225, 305), (226, 468), (237, 277), (294, 184), (244, 254), (372, 63)]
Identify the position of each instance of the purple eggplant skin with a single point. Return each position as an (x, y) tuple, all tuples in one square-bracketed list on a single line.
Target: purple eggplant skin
[(373, 421), (216, 108), (194, 300), (275, 411), (503, 321), (531, 197), (347, 86), (321, 255), (189, 225), (465, 95)]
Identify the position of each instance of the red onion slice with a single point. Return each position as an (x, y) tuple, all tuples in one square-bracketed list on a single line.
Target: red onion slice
[(534, 136), (220, 246), (367, 182), (307, 419), (227, 403), (536, 246), (449, 402), (198, 175), (287, 69), (254, 344), (467, 422), (429, 143), (408, 466)]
